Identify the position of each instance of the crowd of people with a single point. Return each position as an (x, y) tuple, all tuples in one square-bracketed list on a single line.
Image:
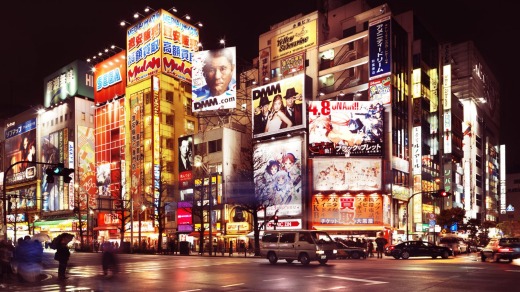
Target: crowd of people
[(23, 261), (372, 245)]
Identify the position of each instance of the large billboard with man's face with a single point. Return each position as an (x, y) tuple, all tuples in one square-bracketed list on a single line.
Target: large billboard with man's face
[(214, 80)]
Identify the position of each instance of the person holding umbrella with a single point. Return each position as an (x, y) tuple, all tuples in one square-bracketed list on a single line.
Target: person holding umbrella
[(62, 253)]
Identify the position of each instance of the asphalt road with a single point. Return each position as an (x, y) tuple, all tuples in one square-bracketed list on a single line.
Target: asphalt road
[(203, 273)]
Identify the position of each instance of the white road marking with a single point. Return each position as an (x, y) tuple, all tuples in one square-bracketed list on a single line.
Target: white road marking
[(232, 285), (370, 282)]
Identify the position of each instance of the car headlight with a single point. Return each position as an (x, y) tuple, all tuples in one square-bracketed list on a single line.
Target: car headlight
[(320, 252)]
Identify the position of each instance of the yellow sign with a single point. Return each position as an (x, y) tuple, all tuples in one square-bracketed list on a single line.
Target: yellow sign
[(301, 37)]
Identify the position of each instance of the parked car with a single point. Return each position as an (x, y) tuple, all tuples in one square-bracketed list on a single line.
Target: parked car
[(418, 248), (507, 248), (350, 252)]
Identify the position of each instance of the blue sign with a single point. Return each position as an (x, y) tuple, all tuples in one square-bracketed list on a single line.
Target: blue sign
[(454, 227)]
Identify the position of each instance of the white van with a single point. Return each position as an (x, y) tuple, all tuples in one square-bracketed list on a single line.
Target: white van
[(301, 245), (455, 243)]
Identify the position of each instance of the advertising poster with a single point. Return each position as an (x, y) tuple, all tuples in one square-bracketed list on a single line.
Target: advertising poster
[(347, 210), (279, 106), (20, 145), (86, 168), (347, 174), (103, 179), (292, 64), (180, 41), (143, 46), (379, 90), (52, 150), (185, 161), (214, 80), (278, 176), (345, 128)]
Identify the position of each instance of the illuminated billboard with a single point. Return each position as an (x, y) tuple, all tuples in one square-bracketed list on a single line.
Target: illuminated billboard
[(185, 161), (379, 90), (75, 79), (110, 78), (20, 145), (279, 106), (342, 174), (160, 43), (278, 176), (360, 210), (345, 128), (302, 36), (53, 149), (380, 56), (214, 80)]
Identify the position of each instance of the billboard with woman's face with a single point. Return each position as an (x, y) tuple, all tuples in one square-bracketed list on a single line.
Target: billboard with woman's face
[(20, 145), (279, 106), (278, 176)]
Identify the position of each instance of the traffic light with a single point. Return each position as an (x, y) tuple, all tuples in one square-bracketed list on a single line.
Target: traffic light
[(444, 194), (60, 170), (275, 219), (441, 194)]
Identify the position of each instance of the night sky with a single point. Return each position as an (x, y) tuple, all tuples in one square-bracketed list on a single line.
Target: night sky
[(40, 37)]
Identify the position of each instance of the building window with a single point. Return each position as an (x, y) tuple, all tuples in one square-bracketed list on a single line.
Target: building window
[(169, 96), (83, 117), (168, 143), (170, 166), (215, 146), (169, 119)]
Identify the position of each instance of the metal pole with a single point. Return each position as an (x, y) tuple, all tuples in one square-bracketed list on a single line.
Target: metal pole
[(131, 225), (210, 197), (408, 214)]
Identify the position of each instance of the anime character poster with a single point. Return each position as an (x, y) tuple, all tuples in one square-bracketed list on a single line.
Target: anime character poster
[(278, 176), (345, 128), (20, 145)]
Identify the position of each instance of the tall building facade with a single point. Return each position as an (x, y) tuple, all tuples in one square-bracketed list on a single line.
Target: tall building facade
[(368, 174)]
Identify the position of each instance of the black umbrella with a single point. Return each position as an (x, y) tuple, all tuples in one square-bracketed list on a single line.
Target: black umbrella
[(64, 236)]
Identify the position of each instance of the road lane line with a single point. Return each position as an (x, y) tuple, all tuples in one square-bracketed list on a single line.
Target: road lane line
[(370, 282), (232, 285)]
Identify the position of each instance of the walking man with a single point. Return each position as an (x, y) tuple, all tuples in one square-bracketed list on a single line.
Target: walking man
[(380, 243)]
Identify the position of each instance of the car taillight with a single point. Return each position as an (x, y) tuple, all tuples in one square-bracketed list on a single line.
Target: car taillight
[(505, 249)]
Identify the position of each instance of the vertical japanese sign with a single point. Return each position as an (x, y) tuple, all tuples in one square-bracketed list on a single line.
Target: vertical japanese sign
[(380, 47), (264, 65)]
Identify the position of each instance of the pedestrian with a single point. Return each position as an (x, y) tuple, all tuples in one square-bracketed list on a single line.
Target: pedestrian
[(62, 254), (380, 243), (108, 259), (230, 248), (370, 248)]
